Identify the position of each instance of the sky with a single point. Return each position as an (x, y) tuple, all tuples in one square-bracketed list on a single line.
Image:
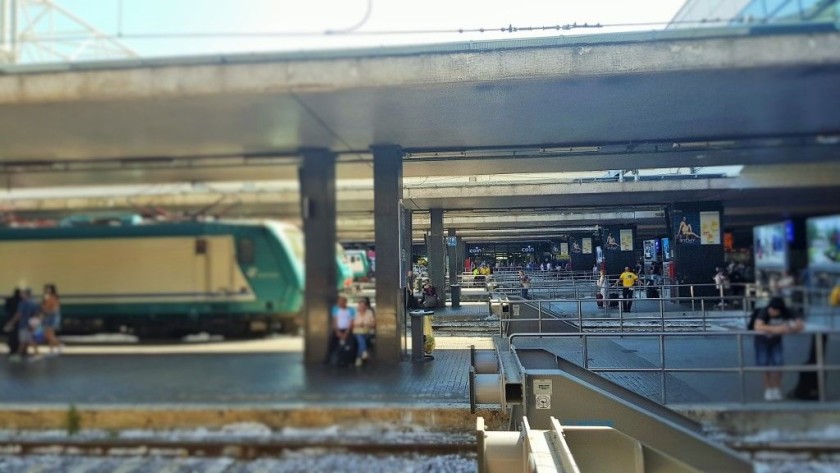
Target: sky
[(132, 20)]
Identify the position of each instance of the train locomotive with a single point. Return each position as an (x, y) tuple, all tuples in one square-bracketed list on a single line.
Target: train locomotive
[(170, 278)]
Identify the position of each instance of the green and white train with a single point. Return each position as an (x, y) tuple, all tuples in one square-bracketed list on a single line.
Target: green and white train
[(360, 264), (166, 278)]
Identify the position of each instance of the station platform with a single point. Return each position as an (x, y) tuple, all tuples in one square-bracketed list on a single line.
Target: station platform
[(267, 371), (178, 385), (228, 381)]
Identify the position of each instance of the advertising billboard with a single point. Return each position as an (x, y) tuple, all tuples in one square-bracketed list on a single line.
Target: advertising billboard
[(650, 250), (824, 243), (770, 246), (666, 249)]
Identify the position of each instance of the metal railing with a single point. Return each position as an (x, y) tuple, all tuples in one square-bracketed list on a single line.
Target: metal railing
[(820, 366), (544, 313)]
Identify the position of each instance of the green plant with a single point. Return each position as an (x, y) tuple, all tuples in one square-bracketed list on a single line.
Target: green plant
[(73, 420)]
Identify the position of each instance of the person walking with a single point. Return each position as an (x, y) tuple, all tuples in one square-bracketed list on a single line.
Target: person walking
[(627, 280), (525, 283), (26, 320), (603, 285), (11, 308), (772, 322), (722, 285), (51, 308)]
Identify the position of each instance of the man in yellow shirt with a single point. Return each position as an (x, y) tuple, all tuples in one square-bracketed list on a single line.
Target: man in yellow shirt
[(628, 279)]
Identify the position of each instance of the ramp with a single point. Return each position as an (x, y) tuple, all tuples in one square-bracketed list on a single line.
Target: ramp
[(556, 388)]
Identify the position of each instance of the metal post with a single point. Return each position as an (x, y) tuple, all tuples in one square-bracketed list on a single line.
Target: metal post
[(820, 367), (621, 315), (580, 314), (741, 368), (662, 311), (662, 366), (806, 303), (585, 352), (703, 311), (691, 288), (539, 315)]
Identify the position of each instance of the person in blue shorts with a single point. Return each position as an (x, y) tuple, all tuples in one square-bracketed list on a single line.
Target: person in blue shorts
[(772, 322)]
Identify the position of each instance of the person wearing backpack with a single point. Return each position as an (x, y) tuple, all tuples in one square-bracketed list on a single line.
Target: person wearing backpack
[(772, 322)]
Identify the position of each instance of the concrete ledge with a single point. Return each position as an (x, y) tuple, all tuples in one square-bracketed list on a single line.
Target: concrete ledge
[(162, 417), (743, 420)]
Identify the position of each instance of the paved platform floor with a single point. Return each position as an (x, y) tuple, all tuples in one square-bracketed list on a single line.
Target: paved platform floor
[(259, 371), (271, 372)]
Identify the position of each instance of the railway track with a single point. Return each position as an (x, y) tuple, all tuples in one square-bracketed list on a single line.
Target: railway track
[(809, 449), (245, 449)]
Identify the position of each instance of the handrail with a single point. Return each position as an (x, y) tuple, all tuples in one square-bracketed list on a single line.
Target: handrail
[(662, 318), (704, 317), (820, 367)]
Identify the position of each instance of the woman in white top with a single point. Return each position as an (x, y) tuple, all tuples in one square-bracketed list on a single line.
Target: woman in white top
[(364, 326), (603, 283)]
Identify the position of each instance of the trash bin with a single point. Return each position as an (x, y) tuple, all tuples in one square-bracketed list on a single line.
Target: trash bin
[(419, 320), (455, 293)]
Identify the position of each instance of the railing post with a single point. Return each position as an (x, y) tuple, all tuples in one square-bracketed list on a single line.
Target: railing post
[(662, 312), (662, 366), (691, 289), (539, 316), (580, 314), (741, 368), (820, 366), (804, 291), (621, 315), (703, 311), (585, 352), (746, 309)]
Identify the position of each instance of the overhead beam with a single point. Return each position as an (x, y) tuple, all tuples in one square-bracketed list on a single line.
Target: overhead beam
[(291, 73)]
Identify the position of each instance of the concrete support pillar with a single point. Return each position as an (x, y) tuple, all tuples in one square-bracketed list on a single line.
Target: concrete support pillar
[(407, 241), (437, 255), (452, 253), (317, 196), (390, 277)]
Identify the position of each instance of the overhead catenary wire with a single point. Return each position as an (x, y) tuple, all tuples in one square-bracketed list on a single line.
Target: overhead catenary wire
[(355, 31)]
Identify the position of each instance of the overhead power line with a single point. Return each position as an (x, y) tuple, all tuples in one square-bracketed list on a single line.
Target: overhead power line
[(355, 31)]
